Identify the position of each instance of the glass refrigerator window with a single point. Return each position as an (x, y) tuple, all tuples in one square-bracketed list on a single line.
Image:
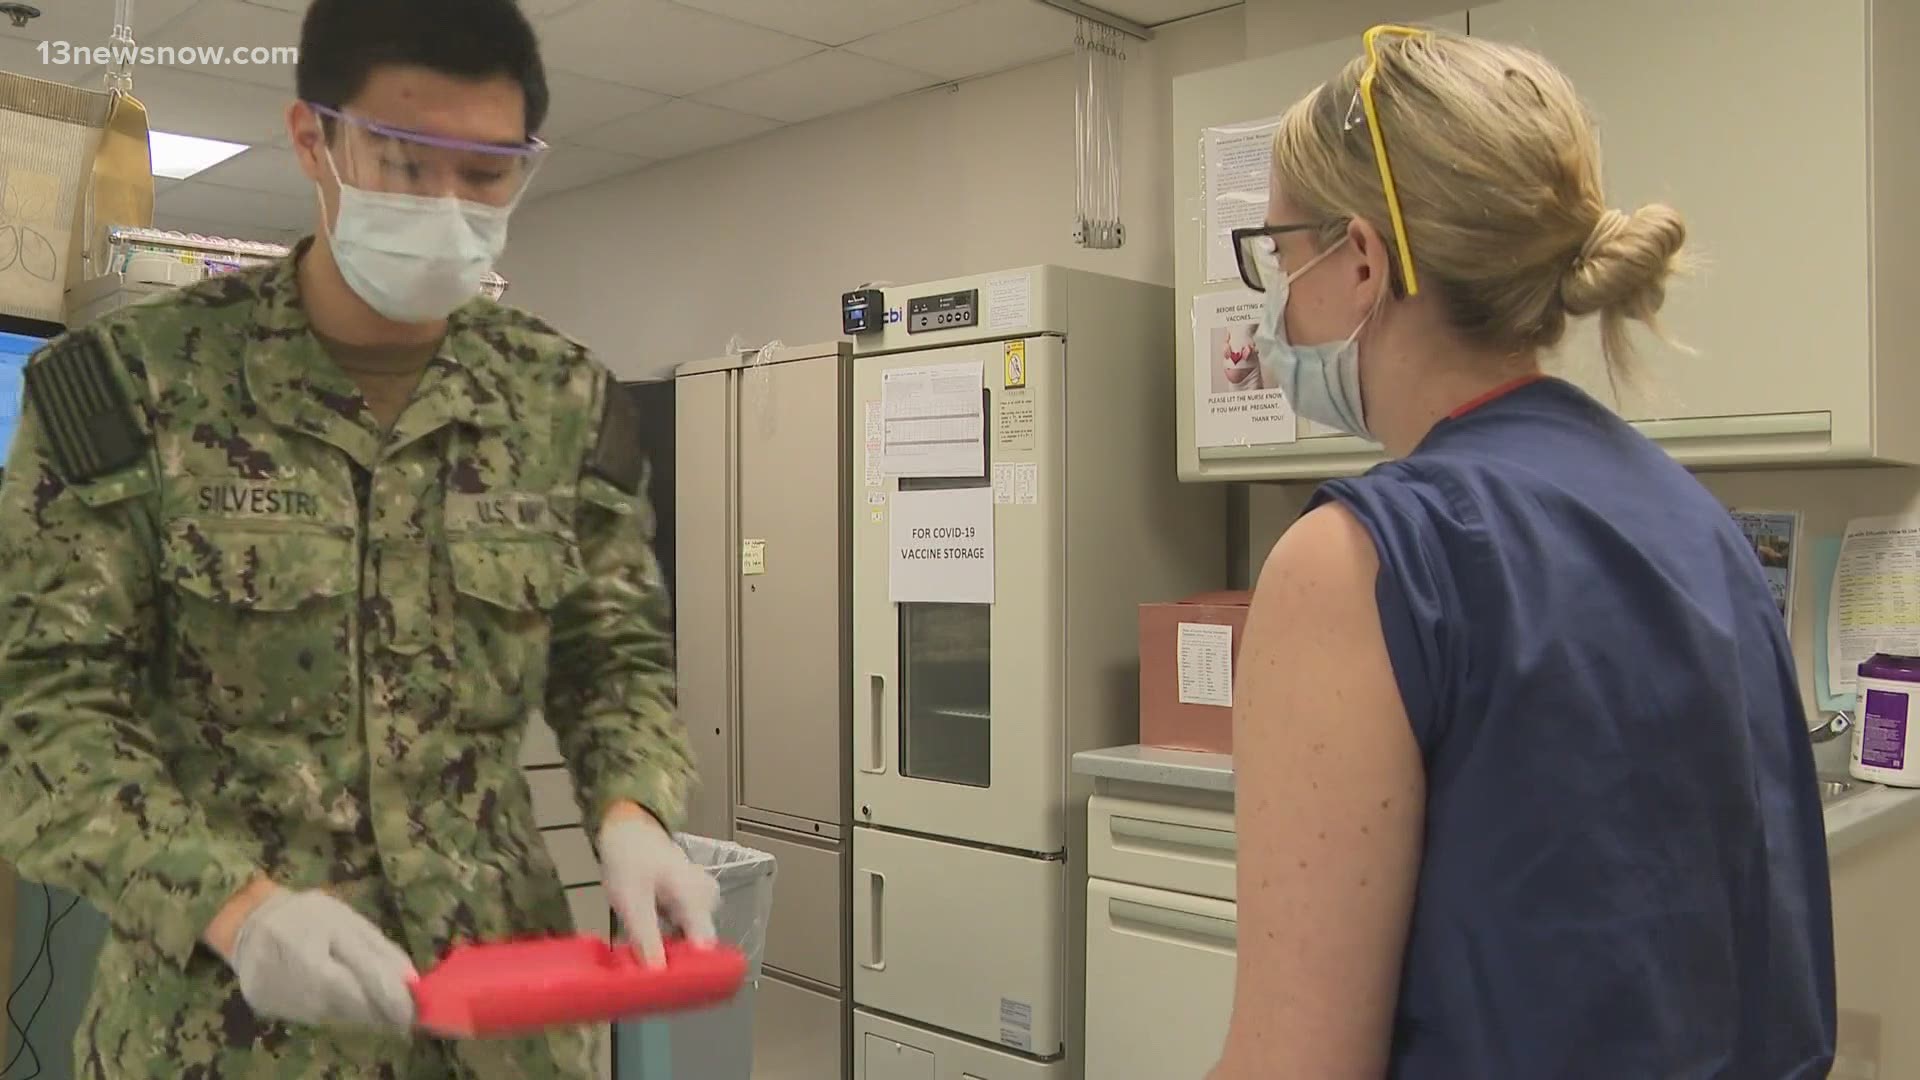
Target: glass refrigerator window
[(946, 722)]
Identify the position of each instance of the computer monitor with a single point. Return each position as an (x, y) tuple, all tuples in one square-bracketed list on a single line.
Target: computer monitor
[(18, 340)]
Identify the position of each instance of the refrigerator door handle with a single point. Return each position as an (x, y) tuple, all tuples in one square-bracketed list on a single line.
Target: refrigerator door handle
[(876, 921), (875, 743)]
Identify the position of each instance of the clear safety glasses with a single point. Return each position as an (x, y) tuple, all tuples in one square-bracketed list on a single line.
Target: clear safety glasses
[(372, 156)]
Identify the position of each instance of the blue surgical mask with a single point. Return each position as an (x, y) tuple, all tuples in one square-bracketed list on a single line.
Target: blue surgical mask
[(414, 258), (1322, 382)]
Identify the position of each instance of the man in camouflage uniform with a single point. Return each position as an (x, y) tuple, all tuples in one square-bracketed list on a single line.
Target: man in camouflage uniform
[(288, 567)]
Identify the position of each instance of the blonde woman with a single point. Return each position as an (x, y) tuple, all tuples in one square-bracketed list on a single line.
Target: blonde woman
[(1524, 785)]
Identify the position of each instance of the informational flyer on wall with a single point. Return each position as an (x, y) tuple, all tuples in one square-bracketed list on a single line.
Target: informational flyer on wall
[(1237, 159), (1874, 605), (1237, 400), (1773, 535)]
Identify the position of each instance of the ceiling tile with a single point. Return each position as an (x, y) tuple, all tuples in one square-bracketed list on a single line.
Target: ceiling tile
[(567, 167), (87, 24), (189, 103), (979, 39), (676, 128), (829, 22), (238, 209), (225, 27), (271, 169), (579, 103), (826, 82), (661, 46), (1155, 12), (23, 57)]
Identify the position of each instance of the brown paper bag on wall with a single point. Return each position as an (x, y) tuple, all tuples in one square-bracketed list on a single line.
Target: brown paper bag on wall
[(49, 136), (119, 192)]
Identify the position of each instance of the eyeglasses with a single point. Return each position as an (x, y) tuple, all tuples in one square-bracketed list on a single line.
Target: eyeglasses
[(1363, 102), (373, 156), (1258, 255)]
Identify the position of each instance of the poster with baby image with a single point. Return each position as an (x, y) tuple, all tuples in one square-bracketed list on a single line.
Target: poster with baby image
[(1237, 400)]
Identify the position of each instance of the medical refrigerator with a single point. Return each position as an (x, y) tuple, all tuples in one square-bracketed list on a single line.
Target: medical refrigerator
[(762, 549), (1015, 503)]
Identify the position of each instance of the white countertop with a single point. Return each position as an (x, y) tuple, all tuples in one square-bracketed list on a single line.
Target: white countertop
[(1153, 765), (1851, 821)]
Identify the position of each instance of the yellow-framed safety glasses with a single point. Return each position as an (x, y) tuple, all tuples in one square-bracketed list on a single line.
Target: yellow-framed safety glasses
[(1364, 99)]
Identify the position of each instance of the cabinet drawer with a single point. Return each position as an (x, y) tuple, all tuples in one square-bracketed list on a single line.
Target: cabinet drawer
[(798, 1034), (1160, 974), (591, 912), (805, 934), (539, 746), (553, 801), (572, 856), (1179, 848)]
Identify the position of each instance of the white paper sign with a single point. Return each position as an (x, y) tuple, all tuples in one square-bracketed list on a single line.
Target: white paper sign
[(1238, 160), (1874, 605), (872, 432), (933, 421), (1026, 483), (1205, 664), (1009, 302), (1002, 483), (941, 548), (1237, 400)]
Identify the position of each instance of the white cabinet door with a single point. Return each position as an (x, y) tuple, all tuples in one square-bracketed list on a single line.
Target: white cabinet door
[(1753, 124), (1160, 973), (961, 938), (798, 1033), (957, 706)]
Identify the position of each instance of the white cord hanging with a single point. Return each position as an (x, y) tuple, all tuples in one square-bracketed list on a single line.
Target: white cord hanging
[(120, 74), (1097, 115)]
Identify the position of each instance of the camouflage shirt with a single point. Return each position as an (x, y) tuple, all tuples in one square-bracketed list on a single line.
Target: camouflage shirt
[(282, 641)]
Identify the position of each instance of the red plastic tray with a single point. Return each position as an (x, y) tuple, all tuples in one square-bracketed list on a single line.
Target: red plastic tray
[(521, 986)]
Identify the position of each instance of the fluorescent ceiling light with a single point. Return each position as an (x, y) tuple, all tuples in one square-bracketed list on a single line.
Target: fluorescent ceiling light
[(177, 157)]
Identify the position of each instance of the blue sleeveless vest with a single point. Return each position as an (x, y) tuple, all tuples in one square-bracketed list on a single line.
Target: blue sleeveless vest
[(1625, 868)]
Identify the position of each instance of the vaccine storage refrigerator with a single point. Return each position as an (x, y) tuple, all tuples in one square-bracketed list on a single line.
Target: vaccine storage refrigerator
[(1016, 501)]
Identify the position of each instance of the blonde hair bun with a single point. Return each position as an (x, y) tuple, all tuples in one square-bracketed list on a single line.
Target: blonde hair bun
[(1625, 264)]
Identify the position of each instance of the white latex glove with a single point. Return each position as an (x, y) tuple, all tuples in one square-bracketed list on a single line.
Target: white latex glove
[(648, 877), (308, 958)]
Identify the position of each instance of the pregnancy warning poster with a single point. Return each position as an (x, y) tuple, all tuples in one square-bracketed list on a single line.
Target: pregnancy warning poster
[(1237, 400)]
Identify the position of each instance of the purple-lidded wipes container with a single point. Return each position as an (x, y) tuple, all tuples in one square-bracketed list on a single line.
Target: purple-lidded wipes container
[(1884, 751)]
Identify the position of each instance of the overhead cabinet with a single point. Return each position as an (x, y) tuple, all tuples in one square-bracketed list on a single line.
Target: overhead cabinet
[(1784, 136)]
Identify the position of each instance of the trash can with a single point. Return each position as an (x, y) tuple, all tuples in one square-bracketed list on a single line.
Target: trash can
[(712, 1044)]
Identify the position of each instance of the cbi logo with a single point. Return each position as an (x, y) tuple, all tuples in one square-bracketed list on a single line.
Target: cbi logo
[(892, 316)]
